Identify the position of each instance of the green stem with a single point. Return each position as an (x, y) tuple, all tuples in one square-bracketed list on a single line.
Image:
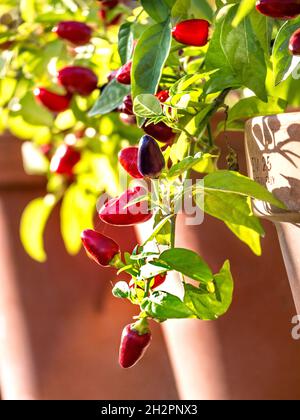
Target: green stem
[(173, 231), (147, 288), (210, 137)]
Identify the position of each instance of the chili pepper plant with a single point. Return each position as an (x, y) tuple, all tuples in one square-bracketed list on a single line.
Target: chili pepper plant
[(95, 86)]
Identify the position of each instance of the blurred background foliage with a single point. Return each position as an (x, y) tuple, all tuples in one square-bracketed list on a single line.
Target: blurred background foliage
[(31, 55)]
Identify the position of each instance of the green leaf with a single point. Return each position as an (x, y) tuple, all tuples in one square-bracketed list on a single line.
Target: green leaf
[(237, 52), (125, 42), (77, 211), (210, 306), (183, 166), (33, 113), (149, 58), (147, 106), (253, 107), (202, 9), (188, 263), (32, 226), (281, 57), (157, 9), (159, 228), (245, 7), (112, 97), (263, 29), (163, 237), (233, 182), (248, 236), (180, 10), (231, 208), (27, 8), (163, 306)]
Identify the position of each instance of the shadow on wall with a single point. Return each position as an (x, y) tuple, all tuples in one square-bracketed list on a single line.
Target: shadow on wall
[(274, 161)]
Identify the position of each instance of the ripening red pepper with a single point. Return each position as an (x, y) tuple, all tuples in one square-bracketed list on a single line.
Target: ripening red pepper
[(123, 75), (160, 132), (151, 161), (127, 105), (107, 5), (99, 248), (128, 158), (78, 33), (158, 280), (64, 160), (135, 341), (51, 100), (127, 119), (112, 75), (46, 150), (193, 32), (279, 9), (294, 45), (163, 95), (76, 79), (115, 212)]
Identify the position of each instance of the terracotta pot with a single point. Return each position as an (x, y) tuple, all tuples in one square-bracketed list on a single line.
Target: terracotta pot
[(59, 325), (249, 353), (273, 157)]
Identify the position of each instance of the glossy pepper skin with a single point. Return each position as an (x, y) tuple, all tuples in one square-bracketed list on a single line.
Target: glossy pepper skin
[(127, 105), (160, 132), (163, 95), (76, 79), (294, 45), (100, 248), (64, 160), (52, 101), (115, 212), (193, 32), (128, 158), (151, 161), (279, 9), (133, 346), (158, 280), (127, 119), (123, 75), (78, 33)]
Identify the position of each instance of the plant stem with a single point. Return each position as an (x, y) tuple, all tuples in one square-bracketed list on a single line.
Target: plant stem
[(147, 288), (173, 230), (210, 137)]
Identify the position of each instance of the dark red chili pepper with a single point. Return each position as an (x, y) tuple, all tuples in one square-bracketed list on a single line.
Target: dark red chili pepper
[(6, 45), (100, 248), (294, 45), (127, 119), (115, 211), (163, 95), (128, 158), (112, 75), (51, 100), (160, 132), (135, 341), (192, 32), (75, 79), (158, 280), (78, 33), (64, 160), (279, 9), (127, 105), (107, 5), (123, 75), (151, 161), (46, 150)]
